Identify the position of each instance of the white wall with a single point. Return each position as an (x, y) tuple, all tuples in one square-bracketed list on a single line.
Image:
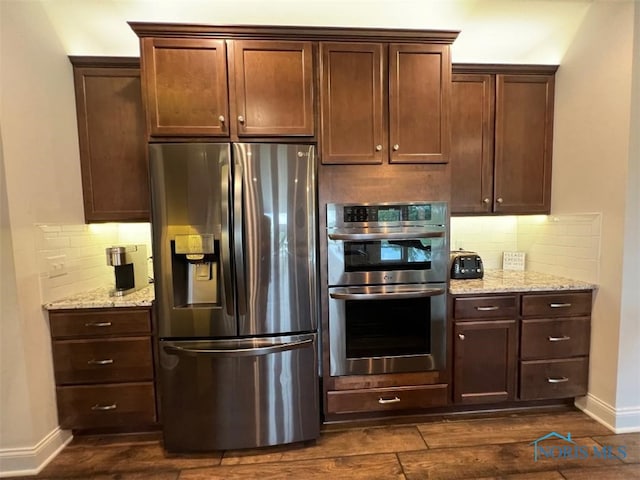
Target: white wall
[(591, 171), (628, 393), (42, 179)]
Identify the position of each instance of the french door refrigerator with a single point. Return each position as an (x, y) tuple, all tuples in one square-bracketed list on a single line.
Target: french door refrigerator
[(234, 232)]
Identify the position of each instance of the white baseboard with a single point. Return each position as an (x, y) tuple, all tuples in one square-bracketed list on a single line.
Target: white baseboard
[(618, 420), (17, 462)]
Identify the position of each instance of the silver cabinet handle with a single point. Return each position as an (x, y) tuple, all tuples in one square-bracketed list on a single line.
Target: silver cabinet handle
[(485, 200), (396, 147), (383, 401), (97, 324), (240, 119), (559, 305), (99, 407), (557, 380), (559, 339), (461, 336), (107, 361), (221, 118), (378, 147), (487, 309), (499, 200)]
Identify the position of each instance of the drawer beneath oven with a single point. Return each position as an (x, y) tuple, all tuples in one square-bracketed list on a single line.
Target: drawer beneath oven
[(542, 379), (387, 399)]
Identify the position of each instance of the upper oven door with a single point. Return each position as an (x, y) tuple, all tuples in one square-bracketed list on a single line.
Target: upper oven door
[(368, 256)]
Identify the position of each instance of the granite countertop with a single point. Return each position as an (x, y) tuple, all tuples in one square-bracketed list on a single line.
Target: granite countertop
[(497, 281), (100, 298)]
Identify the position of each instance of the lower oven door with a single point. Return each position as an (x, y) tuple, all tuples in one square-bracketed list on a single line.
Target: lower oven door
[(387, 329)]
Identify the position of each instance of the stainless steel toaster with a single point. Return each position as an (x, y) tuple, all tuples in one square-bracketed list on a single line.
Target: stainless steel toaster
[(466, 265)]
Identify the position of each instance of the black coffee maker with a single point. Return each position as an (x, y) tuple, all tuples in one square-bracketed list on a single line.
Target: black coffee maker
[(130, 266)]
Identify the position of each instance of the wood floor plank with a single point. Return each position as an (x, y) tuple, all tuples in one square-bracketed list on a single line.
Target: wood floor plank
[(617, 472), (631, 442), (492, 460), (88, 461), (361, 441), (173, 475), (516, 428), (550, 475), (361, 467)]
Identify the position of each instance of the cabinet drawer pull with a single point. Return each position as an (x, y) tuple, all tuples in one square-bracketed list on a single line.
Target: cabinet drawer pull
[(97, 324), (461, 336), (559, 339), (382, 401), (559, 305), (557, 380), (487, 309), (106, 361), (240, 119), (99, 407)]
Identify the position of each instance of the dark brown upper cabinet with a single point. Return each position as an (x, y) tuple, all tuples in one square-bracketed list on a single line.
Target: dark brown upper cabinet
[(186, 86), (501, 139), (111, 133), (273, 87), (384, 102), (221, 88)]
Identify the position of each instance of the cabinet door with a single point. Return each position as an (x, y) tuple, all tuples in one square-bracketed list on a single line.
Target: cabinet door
[(111, 133), (186, 82), (472, 132), (419, 95), (484, 361), (273, 87), (524, 129), (353, 125)]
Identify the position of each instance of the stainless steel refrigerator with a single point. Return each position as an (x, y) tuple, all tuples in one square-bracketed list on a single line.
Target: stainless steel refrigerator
[(234, 248)]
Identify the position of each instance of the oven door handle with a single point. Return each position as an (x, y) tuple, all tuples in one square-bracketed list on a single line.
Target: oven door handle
[(422, 293), (384, 236)]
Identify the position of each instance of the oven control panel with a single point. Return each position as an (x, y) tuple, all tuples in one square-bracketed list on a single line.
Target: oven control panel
[(386, 213)]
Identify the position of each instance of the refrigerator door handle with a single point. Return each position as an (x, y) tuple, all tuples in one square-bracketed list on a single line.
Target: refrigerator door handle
[(236, 352), (225, 248), (238, 242)]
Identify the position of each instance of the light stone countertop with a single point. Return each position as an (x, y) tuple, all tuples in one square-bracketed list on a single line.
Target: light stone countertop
[(100, 298), (497, 281)]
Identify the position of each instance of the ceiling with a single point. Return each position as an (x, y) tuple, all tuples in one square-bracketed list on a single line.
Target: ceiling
[(501, 31)]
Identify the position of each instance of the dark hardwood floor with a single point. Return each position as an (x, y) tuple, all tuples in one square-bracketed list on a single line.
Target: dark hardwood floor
[(487, 448)]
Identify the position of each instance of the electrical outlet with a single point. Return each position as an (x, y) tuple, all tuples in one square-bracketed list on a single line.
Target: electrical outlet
[(56, 266)]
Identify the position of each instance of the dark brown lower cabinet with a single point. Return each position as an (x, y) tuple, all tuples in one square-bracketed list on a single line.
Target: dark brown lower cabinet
[(103, 364), (520, 346), (484, 361)]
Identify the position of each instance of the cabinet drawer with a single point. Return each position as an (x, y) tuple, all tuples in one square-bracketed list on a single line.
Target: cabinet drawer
[(385, 399), (557, 304), (106, 405), (100, 322), (106, 360), (553, 378), (485, 307), (555, 338)]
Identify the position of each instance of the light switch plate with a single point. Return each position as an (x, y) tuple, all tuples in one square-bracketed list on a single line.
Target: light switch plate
[(513, 260)]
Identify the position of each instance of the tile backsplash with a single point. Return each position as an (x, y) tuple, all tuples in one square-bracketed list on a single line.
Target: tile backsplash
[(564, 245), (71, 258)]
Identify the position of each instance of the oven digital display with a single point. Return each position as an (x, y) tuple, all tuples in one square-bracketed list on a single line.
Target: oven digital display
[(388, 214)]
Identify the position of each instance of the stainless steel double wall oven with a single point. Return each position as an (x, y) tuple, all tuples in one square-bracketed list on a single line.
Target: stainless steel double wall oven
[(387, 272)]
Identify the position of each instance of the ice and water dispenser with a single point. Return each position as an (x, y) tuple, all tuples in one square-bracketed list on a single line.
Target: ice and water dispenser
[(196, 267)]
